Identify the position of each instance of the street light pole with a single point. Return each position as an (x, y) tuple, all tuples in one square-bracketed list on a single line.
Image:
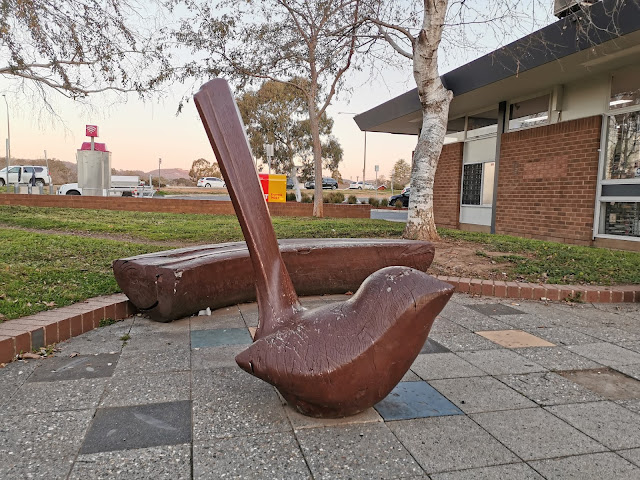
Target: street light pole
[(8, 139), (364, 163), (159, 163)]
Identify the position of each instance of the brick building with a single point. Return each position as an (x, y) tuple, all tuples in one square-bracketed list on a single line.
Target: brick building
[(543, 138)]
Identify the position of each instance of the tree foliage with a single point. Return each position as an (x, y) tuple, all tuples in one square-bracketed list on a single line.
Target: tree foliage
[(79, 47), (275, 40), (401, 172), (277, 114), (203, 168)]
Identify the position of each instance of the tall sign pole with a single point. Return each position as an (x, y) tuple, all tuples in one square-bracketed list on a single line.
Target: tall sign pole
[(159, 163), (8, 139)]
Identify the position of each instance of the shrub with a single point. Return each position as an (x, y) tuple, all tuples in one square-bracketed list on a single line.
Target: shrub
[(384, 202), (291, 197), (398, 204), (352, 199), (374, 202), (306, 198), (333, 197)]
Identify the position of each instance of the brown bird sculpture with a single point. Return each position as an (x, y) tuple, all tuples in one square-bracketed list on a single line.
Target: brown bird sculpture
[(332, 361)]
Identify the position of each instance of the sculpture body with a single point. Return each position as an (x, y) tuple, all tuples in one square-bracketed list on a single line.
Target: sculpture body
[(331, 361)]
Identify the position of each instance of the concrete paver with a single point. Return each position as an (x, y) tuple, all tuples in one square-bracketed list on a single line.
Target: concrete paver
[(168, 401)]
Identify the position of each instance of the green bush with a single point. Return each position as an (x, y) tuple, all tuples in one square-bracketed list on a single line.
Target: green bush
[(374, 202), (306, 198), (333, 197), (398, 204), (384, 202), (291, 197), (352, 199)]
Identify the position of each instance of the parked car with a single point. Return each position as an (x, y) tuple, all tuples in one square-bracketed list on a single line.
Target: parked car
[(34, 174), (211, 182), (290, 183), (361, 186), (403, 197), (327, 182)]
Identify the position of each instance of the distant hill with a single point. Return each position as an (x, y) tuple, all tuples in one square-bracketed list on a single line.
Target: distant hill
[(169, 173)]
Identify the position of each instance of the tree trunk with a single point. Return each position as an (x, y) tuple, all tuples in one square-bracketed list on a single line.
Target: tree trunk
[(435, 100), (317, 159)]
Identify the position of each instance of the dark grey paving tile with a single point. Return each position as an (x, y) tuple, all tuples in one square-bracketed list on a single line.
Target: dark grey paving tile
[(414, 400), (519, 471), (606, 382), (220, 337), (464, 342), (534, 434), (41, 397), (41, 445), (441, 444), (481, 394), (356, 451), (129, 390), (431, 346), (610, 424), (469, 318), (164, 462), (632, 455), (443, 365), (501, 362), (215, 357), (595, 465), (561, 335), (173, 358), (556, 358), (276, 455), (81, 366), (547, 388), (606, 354), (140, 426), (495, 309)]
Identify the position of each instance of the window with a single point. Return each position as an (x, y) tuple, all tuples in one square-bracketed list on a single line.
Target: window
[(622, 218), (472, 184), (622, 154), (529, 113), (484, 123), (625, 89)]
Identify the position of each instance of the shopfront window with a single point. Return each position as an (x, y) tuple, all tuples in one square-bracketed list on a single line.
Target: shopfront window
[(622, 218), (529, 113), (625, 89), (622, 156)]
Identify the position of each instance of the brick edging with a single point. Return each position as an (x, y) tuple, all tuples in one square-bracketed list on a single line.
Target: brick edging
[(52, 326), (538, 291)]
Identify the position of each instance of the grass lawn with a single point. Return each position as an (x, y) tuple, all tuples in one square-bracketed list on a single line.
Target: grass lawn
[(43, 269)]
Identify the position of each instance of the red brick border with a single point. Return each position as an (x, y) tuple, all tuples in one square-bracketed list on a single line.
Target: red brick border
[(53, 326)]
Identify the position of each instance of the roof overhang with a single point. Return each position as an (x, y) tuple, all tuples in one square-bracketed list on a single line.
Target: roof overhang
[(560, 53)]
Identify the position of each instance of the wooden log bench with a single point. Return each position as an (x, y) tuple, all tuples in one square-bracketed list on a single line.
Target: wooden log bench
[(176, 283)]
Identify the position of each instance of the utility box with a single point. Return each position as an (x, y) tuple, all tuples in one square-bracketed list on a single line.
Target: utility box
[(274, 187), (94, 166)]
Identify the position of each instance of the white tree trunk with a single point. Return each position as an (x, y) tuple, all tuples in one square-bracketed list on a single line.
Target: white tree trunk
[(435, 100), (317, 160)]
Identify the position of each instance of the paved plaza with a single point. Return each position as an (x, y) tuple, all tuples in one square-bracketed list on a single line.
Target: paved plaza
[(502, 389)]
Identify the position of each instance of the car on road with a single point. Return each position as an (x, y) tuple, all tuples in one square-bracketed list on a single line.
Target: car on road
[(327, 183), (34, 174), (401, 197), (211, 182), (361, 186)]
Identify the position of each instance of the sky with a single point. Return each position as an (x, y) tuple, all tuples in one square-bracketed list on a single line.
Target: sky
[(139, 133)]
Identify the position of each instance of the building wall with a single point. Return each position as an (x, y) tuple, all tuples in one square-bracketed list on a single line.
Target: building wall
[(547, 181), (446, 187), (586, 97)]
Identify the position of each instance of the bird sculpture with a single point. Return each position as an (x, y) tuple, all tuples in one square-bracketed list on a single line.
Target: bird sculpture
[(332, 361)]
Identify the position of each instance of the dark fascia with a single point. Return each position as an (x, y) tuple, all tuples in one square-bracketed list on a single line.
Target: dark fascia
[(603, 21)]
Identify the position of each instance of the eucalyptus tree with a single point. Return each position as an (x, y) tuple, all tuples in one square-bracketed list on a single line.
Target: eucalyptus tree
[(277, 40), (277, 114), (77, 48)]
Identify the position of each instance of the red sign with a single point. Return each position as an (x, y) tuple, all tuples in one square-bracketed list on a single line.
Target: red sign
[(92, 130)]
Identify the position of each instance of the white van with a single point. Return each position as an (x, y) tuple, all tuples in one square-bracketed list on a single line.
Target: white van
[(25, 174)]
